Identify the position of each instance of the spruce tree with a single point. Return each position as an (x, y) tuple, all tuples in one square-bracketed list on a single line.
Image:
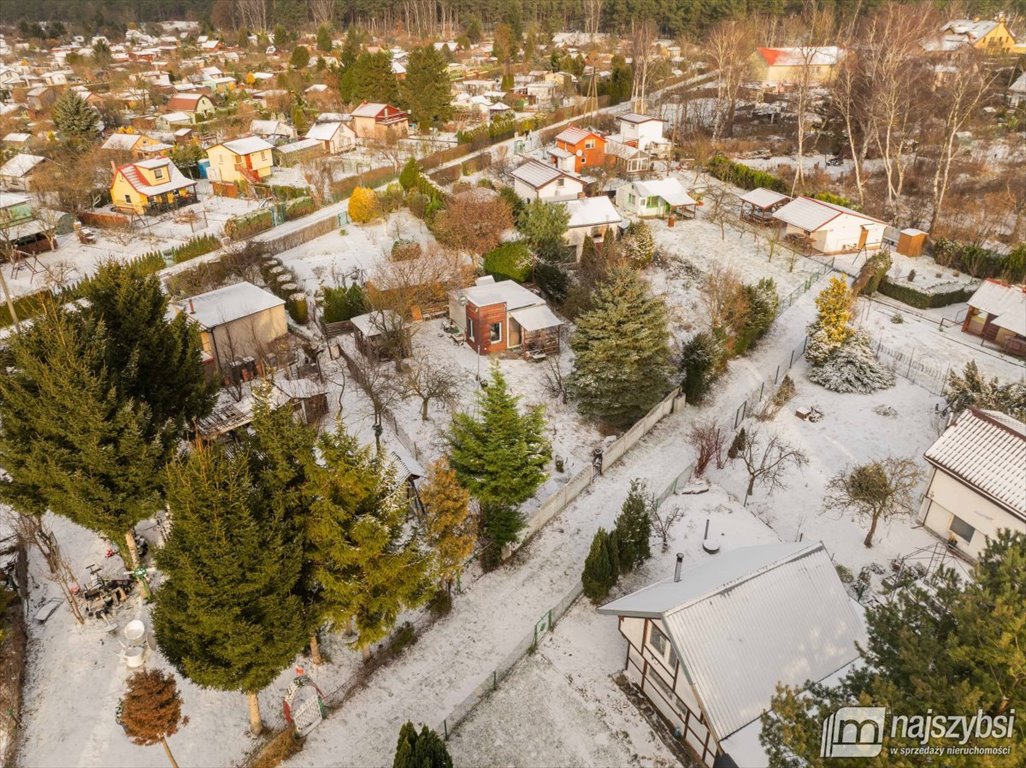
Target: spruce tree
[(834, 305), (970, 388), (634, 528), (153, 359), (71, 442), (701, 358), (599, 575), (426, 92), (324, 38), (152, 710), (75, 119), (229, 615), (621, 352), (447, 523), (368, 564), (420, 750)]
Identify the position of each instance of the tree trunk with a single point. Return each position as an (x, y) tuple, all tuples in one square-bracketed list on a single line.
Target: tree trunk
[(167, 751), (315, 649), (424, 409), (256, 725), (366, 651), (133, 556), (872, 530), (751, 487)]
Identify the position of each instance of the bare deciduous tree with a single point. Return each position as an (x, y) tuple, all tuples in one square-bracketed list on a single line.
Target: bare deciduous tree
[(728, 48), (878, 490), (724, 296), (429, 380), (767, 462), (663, 521), (322, 11), (32, 531), (709, 440), (473, 221)]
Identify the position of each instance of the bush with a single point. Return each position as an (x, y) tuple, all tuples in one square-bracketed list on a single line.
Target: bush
[(241, 227), (297, 307), (741, 175), (410, 175), (906, 294), (981, 262), (405, 250), (852, 368), (600, 568), (363, 205), (302, 206), (700, 360), (762, 311), (552, 280), (830, 197), (344, 303), (197, 246), (513, 200), (509, 260)]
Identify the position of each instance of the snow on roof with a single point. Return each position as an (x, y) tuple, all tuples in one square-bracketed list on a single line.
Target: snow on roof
[(749, 619), (634, 117), (375, 323), (7, 199), (763, 198), (537, 174), (826, 55), (670, 190), (247, 145), (300, 389), (507, 292), (574, 135), (299, 146), (121, 141), (20, 165), (369, 109), (230, 303), (21, 138), (323, 131), (1007, 302), (986, 450), (809, 214), (592, 212), (562, 154), (175, 178), (1019, 86), (974, 29), (536, 318), (270, 128)]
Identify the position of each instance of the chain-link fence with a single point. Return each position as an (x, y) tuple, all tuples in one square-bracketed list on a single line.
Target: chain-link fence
[(927, 375)]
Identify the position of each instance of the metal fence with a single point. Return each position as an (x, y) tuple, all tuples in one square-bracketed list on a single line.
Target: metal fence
[(528, 643), (905, 364), (757, 394)]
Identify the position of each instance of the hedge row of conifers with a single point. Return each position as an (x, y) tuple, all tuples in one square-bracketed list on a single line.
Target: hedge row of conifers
[(906, 294)]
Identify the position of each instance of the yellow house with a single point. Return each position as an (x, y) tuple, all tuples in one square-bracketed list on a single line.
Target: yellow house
[(990, 36), (791, 66), (151, 186), (138, 144), (249, 158)]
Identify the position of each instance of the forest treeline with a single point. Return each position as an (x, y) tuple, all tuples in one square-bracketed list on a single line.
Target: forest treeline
[(674, 17)]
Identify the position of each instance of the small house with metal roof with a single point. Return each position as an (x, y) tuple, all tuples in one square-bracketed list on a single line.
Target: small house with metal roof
[(151, 186), (829, 228)]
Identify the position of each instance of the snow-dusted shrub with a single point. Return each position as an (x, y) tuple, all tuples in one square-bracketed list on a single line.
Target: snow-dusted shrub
[(820, 347), (852, 368)]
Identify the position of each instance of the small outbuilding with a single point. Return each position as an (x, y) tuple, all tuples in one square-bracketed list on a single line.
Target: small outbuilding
[(381, 335), (657, 197), (500, 316), (829, 228), (997, 313), (759, 205)]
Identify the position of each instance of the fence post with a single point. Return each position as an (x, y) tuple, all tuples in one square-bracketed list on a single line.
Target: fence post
[(790, 360), (777, 374), (445, 728), (495, 679)]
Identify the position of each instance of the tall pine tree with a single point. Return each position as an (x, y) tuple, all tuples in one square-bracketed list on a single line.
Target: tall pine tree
[(71, 442), (426, 92), (230, 614), (368, 563), (420, 750), (621, 352), (634, 528), (447, 524)]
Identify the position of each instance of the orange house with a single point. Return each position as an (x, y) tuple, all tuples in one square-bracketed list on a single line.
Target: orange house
[(588, 147)]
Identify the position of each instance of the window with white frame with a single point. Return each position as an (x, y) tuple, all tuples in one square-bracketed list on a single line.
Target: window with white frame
[(470, 329), (495, 332)]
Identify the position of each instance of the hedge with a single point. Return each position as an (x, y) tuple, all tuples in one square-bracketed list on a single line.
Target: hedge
[(830, 197), (242, 227), (300, 206), (509, 260), (741, 175), (921, 300), (344, 303), (979, 261), (197, 246)]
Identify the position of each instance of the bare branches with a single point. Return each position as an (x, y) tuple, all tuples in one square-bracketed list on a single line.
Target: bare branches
[(663, 521), (768, 463), (877, 491), (429, 380), (709, 440), (724, 296), (728, 49)]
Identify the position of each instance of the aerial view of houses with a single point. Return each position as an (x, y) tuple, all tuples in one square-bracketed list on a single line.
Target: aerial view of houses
[(537, 384)]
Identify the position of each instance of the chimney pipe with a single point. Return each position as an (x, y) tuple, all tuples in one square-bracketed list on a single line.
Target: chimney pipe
[(192, 309), (676, 568)]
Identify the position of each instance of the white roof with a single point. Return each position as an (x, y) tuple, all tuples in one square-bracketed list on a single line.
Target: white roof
[(224, 305), (507, 292), (370, 109), (574, 135), (1019, 86), (670, 190), (21, 138), (749, 619), (987, 451), (7, 199), (1007, 302), (592, 212), (634, 117), (375, 323), (299, 146), (20, 165), (271, 128), (323, 131), (975, 29), (123, 141), (809, 214), (536, 318), (246, 145), (763, 198), (300, 389), (537, 174)]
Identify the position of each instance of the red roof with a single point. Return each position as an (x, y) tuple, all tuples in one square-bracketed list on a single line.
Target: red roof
[(185, 101), (770, 55)]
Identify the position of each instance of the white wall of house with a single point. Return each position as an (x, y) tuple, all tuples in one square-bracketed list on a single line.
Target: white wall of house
[(643, 133), (627, 199), (570, 189), (844, 232), (950, 504)]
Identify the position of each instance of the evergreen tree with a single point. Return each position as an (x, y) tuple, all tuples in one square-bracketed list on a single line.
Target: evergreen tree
[(700, 360), (70, 442), (448, 527), (230, 614), (499, 526), (370, 78), (324, 38), (834, 305), (409, 176), (944, 644), (634, 528), (543, 226), (420, 750), (152, 359), (621, 81), (599, 573), (621, 352), (500, 456), (637, 244), (852, 367), (426, 92), (152, 710), (368, 565), (74, 119), (971, 389), (300, 58)]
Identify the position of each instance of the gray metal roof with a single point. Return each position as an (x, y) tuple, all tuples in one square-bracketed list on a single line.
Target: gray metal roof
[(987, 451), (809, 214), (749, 619), (230, 303), (537, 174), (763, 198), (1006, 302)]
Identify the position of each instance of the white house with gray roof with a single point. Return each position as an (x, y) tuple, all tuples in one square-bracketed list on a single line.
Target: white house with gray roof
[(709, 646), (977, 480)]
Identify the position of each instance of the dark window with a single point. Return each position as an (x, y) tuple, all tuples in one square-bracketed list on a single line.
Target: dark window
[(961, 528), (495, 332), (470, 329), (658, 640), (128, 198)]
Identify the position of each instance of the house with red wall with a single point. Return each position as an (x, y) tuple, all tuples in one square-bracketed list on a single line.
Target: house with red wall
[(501, 316), (587, 146)]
